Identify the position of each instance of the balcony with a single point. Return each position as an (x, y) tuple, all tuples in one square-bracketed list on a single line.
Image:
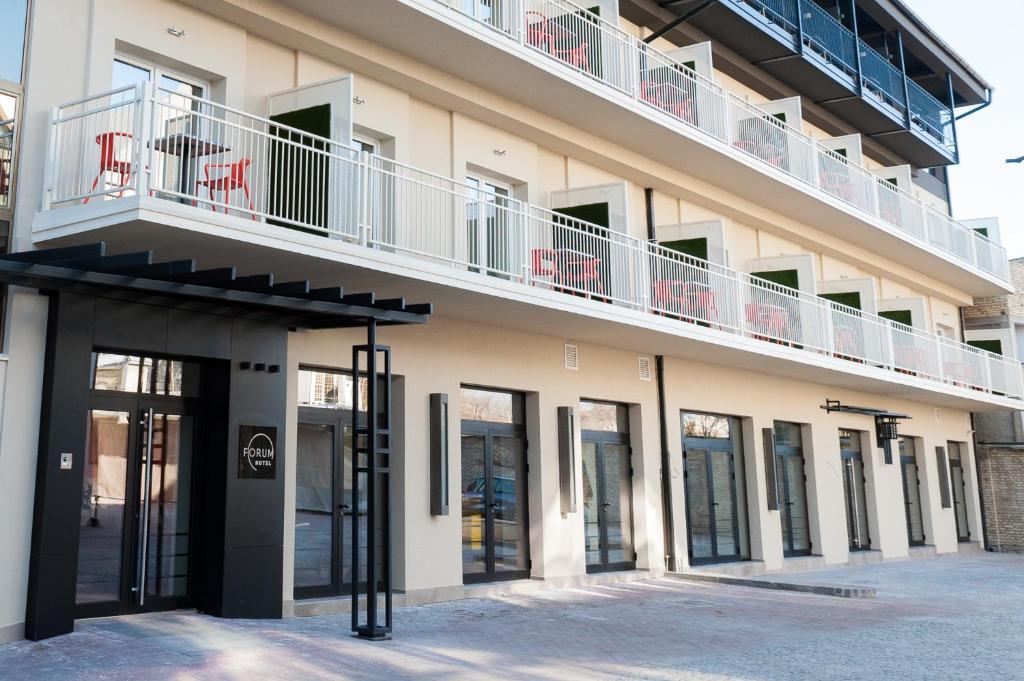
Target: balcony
[(580, 42), (803, 45), (192, 163)]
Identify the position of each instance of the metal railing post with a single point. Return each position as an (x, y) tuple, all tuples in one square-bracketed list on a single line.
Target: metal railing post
[(363, 194), (144, 112), (51, 159)]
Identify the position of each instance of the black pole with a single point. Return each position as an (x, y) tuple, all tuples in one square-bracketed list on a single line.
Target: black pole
[(677, 21), (666, 468), (856, 47), (906, 86), (652, 232), (952, 120)]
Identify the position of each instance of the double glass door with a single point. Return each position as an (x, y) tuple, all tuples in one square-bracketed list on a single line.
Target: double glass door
[(911, 492), (854, 490), (136, 548), (495, 534), (326, 500), (958, 481), (607, 501), (792, 485), (715, 500)]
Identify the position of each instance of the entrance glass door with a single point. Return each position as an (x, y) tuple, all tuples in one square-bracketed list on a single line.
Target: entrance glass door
[(607, 487), (792, 482), (136, 548), (495, 534), (135, 536), (911, 492), (715, 498), (854, 490), (958, 481)]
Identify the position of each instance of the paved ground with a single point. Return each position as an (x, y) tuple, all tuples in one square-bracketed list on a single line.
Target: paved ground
[(959, 617)]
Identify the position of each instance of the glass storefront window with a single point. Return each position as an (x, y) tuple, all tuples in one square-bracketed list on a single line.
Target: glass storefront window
[(13, 15), (706, 425), (611, 418), (489, 405), (152, 376), (787, 434)]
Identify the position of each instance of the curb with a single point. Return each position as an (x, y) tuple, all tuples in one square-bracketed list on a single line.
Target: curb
[(837, 591)]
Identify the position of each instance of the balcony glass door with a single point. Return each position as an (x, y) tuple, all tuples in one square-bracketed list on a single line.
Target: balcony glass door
[(607, 487), (495, 526), (854, 483), (715, 499), (959, 483), (792, 482), (489, 226), (911, 492)]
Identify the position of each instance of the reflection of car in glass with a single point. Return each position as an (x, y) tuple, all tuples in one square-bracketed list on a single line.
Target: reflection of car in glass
[(504, 498)]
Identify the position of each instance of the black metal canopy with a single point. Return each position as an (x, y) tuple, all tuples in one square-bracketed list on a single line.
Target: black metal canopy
[(178, 283), (835, 406)]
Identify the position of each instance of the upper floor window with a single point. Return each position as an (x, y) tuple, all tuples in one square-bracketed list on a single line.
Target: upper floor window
[(13, 15), (131, 72), (8, 111)]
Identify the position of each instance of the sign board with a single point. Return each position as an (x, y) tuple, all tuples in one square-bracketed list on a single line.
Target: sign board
[(257, 452)]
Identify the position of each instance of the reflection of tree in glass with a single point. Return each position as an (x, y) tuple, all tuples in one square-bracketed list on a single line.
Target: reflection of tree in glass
[(705, 425), (485, 405)]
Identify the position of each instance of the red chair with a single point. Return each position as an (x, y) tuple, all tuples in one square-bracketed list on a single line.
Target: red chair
[(236, 178), (109, 163), (766, 154), (545, 263), (771, 321), (541, 33), (677, 103), (668, 296), (582, 273), (700, 303)]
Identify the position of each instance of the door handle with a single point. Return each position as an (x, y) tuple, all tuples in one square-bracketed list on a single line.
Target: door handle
[(607, 504), (144, 553), (343, 507), (494, 505)]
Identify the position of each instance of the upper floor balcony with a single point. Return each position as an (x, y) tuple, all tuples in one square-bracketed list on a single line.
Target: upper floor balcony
[(155, 167), (572, 42), (812, 50)]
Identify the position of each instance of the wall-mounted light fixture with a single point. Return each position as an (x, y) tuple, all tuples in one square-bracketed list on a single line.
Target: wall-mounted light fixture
[(176, 32), (500, 152), (358, 100), (438, 454), (567, 459)]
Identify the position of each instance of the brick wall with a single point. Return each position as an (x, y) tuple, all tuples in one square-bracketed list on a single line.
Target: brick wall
[(1001, 306), (1002, 496)]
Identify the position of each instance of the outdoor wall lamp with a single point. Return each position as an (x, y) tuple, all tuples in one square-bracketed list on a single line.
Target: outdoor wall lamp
[(176, 32), (438, 454)]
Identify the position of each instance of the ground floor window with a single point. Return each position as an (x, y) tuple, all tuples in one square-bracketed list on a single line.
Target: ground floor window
[(607, 486), (495, 524), (713, 473)]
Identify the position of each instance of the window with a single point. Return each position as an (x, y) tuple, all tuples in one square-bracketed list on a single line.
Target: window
[(850, 299), (698, 248), (13, 16), (603, 416), (116, 372), (127, 71), (8, 113), (785, 278), (995, 346), (900, 316), (331, 389), (478, 404)]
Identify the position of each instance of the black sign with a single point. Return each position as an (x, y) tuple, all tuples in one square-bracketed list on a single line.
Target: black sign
[(257, 452)]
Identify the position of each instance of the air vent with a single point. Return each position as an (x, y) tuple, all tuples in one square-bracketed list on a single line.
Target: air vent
[(572, 357), (645, 368)]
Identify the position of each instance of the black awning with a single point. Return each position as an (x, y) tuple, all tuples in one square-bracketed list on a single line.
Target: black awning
[(178, 283)]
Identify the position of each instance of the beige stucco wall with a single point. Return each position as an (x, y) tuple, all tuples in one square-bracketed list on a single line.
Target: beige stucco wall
[(446, 353), (20, 402)]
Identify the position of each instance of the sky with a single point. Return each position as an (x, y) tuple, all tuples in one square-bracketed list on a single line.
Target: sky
[(987, 33)]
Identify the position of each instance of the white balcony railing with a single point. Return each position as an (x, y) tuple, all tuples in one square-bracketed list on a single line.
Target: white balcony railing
[(580, 41), (157, 143)]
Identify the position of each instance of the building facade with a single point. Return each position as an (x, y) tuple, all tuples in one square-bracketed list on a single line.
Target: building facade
[(695, 290)]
